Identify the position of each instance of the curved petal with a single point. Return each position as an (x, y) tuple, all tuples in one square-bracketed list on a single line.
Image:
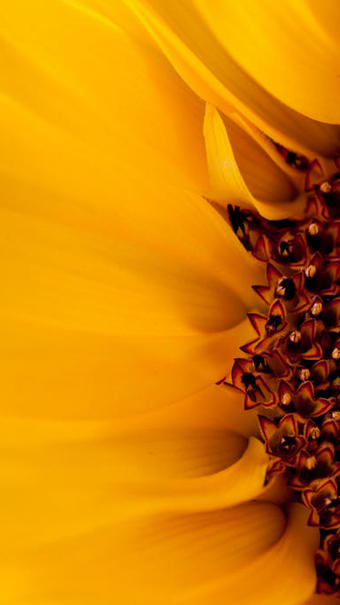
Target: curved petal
[(284, 48), (77, 476), (196, 54), (225, 172), (121, 285), (285, 573), (85, 77), (146, 560), (239, 483)]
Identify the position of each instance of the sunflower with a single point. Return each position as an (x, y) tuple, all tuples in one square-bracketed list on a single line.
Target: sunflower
[(128, 474)]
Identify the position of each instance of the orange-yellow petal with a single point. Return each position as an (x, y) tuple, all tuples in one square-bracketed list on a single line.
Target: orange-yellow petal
[(183, 35), (121, 285), (148, 559), (284, 574), (226, 175), (285, 48)]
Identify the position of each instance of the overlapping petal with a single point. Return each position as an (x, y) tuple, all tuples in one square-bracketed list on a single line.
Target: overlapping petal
[(122, 292), (285, 48), (117, 276), (228, 181), (82, 538), (182, 31)]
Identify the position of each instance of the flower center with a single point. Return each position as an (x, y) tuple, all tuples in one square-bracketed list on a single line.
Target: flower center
[(292, 365)]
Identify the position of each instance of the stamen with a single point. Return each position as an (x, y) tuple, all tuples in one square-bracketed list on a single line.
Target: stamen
[(304, 374), (316, 309), (286, 399), (295, 336), (336, 353), (326, 187), (310, 271), (313, 229)]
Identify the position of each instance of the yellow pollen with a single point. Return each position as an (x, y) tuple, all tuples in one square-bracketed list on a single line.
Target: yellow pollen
[(286, 398), (295, 336), (325, 187), (310, 271), (336, 353), (304, 374), (327, 501), (315, 433), (313, 229), (316, 308), (280, 289), (310, 463)]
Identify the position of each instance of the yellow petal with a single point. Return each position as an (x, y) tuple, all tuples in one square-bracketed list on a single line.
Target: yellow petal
[(149, 559), (76, 476), (121, 286), (284, 48), (85, 77), (183, 35), (284, 574), (226, 176)]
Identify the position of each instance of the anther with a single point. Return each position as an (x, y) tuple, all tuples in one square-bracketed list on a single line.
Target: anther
[(304, 374), (295, 336), (326, 187), (259, 363), (273, 322), (327, 502), (314, 433), (280, 288), (286, 399), (285, 287), (310, 463), (285, 248), (316, 309), (287, 442), (336, 353), (334, 415), (313, 229), (310, 271)]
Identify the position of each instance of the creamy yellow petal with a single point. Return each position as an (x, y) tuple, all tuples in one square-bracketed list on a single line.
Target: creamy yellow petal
[(226, 175), (120, 283), (284, 48), (183, 35)]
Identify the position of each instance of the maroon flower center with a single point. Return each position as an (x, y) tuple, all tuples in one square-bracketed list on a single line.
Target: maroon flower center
[(292, 365)]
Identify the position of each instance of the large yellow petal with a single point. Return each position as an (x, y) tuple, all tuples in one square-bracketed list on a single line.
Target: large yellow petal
[(284, 574), (76, 476), (196, 53), (78, 71), (121, 285), (284, 47), (149, 559), (77, 479)]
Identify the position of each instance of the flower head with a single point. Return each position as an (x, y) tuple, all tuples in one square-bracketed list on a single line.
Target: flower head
[(137, 214)]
